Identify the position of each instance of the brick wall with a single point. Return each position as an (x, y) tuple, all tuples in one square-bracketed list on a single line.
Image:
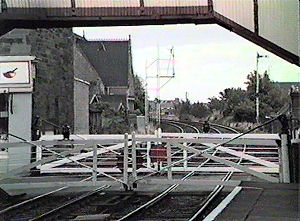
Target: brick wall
[(54, 82)]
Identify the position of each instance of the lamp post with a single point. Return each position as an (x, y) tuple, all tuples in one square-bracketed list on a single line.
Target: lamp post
[(258, 56)]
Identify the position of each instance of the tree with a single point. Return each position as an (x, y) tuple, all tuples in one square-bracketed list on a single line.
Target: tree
[(215, 104), (139, 95), (231, 98), (200, 110), (271, 96), (245, 112)]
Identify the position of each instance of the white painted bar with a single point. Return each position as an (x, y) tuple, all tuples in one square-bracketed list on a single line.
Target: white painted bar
[(81, 156), (94, 173), (230, 163), (243, 168), (169, 161), (148, 154), (174, 169), (247, 157), (125, 163), (133, 155)]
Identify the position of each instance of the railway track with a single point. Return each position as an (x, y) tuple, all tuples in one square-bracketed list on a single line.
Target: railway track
[(46, 205), (195, 127), (187, 207), (166, 205)]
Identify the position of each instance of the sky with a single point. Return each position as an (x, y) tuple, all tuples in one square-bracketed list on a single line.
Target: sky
[(208, 58)]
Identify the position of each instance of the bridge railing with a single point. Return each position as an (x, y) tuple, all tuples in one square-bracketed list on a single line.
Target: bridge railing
[(88, 8), (101, 3)]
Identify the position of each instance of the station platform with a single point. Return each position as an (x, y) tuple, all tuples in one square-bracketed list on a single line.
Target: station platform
[(263, 201)]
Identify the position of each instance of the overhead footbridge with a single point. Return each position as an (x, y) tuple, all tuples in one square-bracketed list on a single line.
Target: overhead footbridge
[(271, 24)]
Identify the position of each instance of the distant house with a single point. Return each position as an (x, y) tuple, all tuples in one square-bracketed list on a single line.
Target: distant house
[(167, 109), (286, 86)]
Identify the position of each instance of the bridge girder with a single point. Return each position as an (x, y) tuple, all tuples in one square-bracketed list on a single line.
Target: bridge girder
[(66, 18)]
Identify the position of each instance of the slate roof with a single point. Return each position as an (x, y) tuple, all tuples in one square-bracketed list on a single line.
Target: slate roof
[(114, 101), (109, 58)]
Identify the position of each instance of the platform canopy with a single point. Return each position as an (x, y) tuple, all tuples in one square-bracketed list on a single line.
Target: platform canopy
[(271, 24)]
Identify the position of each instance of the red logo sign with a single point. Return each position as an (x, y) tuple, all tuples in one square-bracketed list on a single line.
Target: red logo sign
[(10, 74)]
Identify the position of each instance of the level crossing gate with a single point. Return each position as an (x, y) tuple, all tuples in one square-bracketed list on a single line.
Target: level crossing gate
[(184, 153)]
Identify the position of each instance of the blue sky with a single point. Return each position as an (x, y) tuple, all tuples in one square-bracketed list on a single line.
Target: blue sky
[(208, 58)]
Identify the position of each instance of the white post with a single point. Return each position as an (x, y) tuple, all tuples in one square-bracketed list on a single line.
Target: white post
[(156, 135), (285, 159), (146, 102), (280, 165), (169, 161), (159, 132), (184, 157), (95, 164), (125, 165), (133, 156), (148, 154), (257, 89)]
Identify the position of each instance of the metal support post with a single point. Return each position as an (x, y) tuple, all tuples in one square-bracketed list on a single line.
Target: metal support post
[(133, 156), (159, 132), (95, 164), (125, 165), (169, 161), (285, 158), (258, 56), (184, 157), (148, 154), (280, 165)]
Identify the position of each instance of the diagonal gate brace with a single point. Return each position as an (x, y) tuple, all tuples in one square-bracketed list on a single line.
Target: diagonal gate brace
[(229, 163)]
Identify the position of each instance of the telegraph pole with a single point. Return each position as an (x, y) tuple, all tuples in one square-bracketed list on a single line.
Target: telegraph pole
[(146, 101), (258, 56), (158, 86)]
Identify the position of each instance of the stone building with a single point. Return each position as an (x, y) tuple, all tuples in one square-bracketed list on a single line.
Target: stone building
[(54, 79), (112, 60), (71, 72)]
